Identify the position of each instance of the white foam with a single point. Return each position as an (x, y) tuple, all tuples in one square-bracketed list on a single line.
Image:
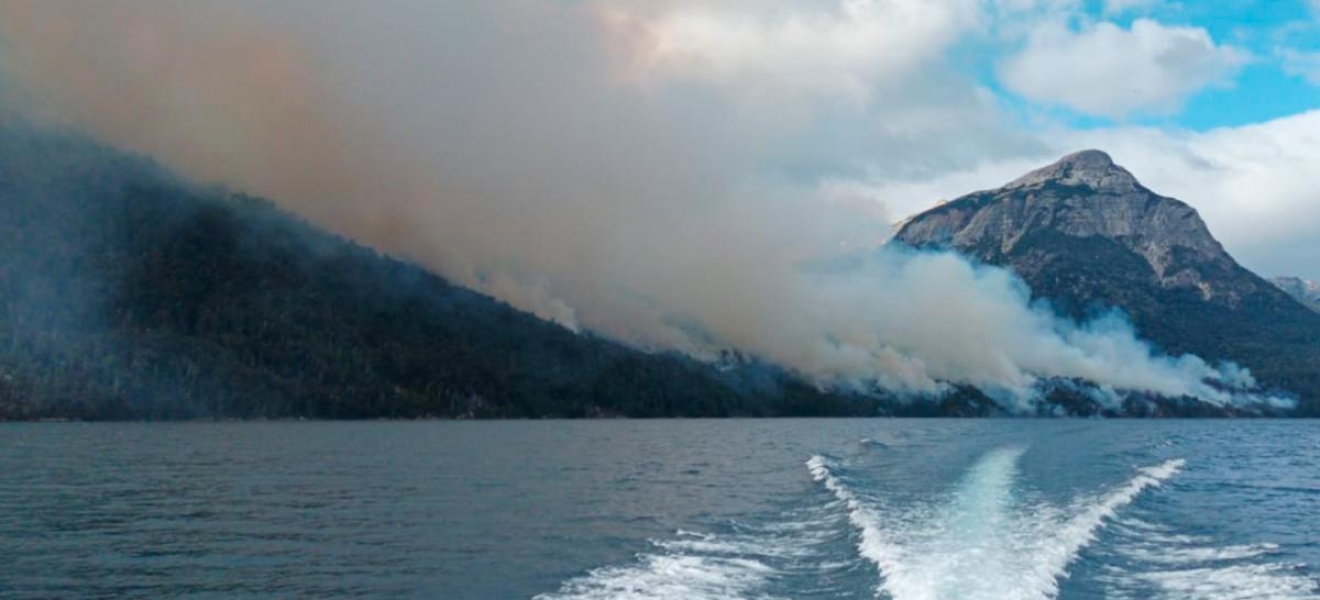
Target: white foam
[(713, 546), (982, 544), (1167, 566), (706, 566), (1233, 582), (1080, 530), (670, 577), (1156, 554)]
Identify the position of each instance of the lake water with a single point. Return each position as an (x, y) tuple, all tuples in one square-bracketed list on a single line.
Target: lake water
[(901, 509)]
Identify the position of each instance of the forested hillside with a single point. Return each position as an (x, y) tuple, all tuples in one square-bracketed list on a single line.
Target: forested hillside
[(126, 293), (129, 294)]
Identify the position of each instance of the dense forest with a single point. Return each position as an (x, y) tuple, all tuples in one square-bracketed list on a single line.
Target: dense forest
[(128, 294)]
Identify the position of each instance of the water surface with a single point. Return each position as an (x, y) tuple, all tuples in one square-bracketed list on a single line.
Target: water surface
[(901, 509)]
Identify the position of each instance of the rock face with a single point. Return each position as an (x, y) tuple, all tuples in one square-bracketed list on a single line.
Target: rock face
[(1305, 291), (1085, 234)]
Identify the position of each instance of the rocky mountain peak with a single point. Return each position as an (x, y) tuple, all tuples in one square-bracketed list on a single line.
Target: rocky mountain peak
[(1089, 168), (1085, 235), (1086, 198)]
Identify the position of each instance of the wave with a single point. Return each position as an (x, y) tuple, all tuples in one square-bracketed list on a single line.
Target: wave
[(987, 538), (1163, 564), (744, 563), (1230, 582), (984, 542), (670, 577)]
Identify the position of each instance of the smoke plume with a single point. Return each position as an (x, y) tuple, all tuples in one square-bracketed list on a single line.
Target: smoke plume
[(609, 168)]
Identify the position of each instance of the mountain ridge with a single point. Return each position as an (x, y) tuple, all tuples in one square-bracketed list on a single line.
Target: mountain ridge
[(1303, 290), (130, 294), (1087, 236)]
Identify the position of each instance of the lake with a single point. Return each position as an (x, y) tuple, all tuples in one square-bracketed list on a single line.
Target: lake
[(901, 509)]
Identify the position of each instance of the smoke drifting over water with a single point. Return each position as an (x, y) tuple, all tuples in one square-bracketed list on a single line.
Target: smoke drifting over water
[(574, 160)]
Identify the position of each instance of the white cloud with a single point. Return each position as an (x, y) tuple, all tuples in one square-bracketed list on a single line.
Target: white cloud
[(1254, 185), (824, 88), (1117, 7), (1105, 70), (1301, 64), (845, 46)]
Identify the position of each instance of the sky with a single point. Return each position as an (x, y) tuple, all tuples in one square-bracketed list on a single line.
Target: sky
[(905, 101), (699, 174)]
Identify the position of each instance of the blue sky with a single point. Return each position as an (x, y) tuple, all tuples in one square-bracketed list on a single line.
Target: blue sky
[(1261, 89)]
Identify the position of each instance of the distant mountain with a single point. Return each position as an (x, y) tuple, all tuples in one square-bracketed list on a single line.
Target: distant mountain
[(1085, 234), (1305, 291), (128, 294)]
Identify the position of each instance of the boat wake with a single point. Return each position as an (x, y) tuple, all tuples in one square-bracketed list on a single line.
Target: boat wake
[(799, 550), (988, 537), (1156, 562), (984, 542), (671, 576)]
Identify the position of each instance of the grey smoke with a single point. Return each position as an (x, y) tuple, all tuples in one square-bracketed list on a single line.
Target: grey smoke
[(506, 145)]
